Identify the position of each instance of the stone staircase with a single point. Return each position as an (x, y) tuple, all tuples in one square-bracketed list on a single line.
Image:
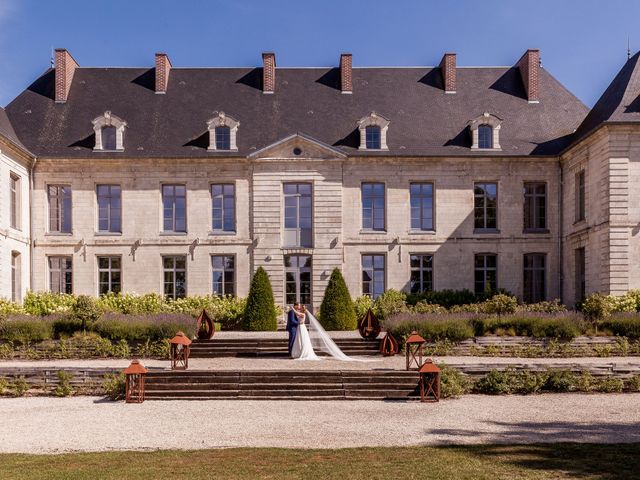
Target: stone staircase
[(271, 347), (282, 385)]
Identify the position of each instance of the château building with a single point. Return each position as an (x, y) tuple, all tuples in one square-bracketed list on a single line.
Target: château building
[(184, 181)]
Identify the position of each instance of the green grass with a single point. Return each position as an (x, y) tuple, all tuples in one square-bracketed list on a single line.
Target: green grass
[(493, 462)]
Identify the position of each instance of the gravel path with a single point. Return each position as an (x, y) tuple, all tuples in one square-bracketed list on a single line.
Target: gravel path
[(55, 425), (373, 363)]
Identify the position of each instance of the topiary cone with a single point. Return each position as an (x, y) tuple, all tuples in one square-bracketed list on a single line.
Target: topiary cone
[(260, 312), (337, 311)]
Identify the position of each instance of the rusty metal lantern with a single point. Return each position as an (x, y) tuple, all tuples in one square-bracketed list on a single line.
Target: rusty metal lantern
[(369, 326), (388, 345), (134, 382), (413, 351), (429, 382), (180, 346), (206, 327)]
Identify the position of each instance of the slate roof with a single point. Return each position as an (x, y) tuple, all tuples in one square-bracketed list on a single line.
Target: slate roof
[(7, 131), (424, 120), (620, 102)]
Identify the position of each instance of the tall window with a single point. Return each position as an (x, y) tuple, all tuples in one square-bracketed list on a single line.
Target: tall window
[(59, 208), (223, 138), (373, 275), (486, 273), (485, 136), (421, 206), (223, 207), (298, 222), (373, 215), (174, 207), (109, 208), (580, 198), (16, 277), (421, 273), (534, 286), (175, 276), (297, 272), (14, 201), (372, 137), (485, 206), (60, 274), (109, 275), (535, 206), (223, 268), (109, 138), (581, 274)]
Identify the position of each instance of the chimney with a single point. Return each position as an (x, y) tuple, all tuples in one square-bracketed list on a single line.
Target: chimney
[(65, 68), (268, 72), (448, 69), (163, 67), (346, 77), (529, 66)]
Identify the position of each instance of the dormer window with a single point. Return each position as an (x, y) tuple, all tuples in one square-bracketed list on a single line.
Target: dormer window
[(108, 138), (222, 133), (373, 132), (109, 133), (223, 138), (485, 136), (485, 132)]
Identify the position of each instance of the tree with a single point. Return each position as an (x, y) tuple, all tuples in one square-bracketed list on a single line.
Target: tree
[(260, 312), (337, 311)]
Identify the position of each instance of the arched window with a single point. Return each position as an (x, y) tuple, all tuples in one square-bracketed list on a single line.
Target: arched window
[(373, 132), (109, 138), (485, 132), (485, 136), (109, 133), (223, 138), (222, 133)]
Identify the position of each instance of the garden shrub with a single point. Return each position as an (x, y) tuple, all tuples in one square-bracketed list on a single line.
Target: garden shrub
[(623, 325), (4, 385), (85, 310), (139, 328), (63, 389), (609, 385), (362, 305), (157, 349), (634, 384), (24, 329), (453, 383), (46, 303), (337, 311), (227, 311), (423, 307), (500, 305), (444, 298), (553, 306), (495, 382), (18, 387), (389, 303), (597, 307), (130, 303), (560, 381), (260, 312), (432, 327), (7, 307), (114, 386), (64, 325)]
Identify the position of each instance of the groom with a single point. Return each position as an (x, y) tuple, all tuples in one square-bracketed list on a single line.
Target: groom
[(292, 325)]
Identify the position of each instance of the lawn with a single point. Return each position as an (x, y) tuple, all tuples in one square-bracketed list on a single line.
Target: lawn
[(451, 462)]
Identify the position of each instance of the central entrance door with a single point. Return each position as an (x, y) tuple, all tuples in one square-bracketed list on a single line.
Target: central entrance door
[(297, 269)]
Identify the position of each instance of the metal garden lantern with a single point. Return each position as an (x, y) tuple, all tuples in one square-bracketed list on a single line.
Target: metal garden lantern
[(134, 382), (429, 382), (413, 351), (179, 351)]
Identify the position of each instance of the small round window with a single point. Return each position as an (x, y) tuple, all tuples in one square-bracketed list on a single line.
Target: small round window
[(297, 151)]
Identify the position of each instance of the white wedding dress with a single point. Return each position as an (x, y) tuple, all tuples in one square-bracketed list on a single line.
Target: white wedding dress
[(315, 337)]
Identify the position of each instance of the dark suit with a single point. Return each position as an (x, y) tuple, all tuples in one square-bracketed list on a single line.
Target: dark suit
[(292, 328)]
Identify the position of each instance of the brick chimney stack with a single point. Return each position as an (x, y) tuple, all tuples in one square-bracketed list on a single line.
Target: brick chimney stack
[(448, 69), (163, 67), (529, 66), (346, 76), (268, 72), (65, 67)]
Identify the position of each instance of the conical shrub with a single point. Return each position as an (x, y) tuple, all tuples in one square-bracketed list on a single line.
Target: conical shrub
[(337, 311), (260, 312)]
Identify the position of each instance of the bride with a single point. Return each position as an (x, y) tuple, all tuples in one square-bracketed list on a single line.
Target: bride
[(315, 336)]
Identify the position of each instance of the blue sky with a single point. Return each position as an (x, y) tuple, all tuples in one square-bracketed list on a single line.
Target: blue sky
[(583, 42)]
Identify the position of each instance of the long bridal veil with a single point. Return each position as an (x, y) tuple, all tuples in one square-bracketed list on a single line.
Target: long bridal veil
[(320, 340)]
